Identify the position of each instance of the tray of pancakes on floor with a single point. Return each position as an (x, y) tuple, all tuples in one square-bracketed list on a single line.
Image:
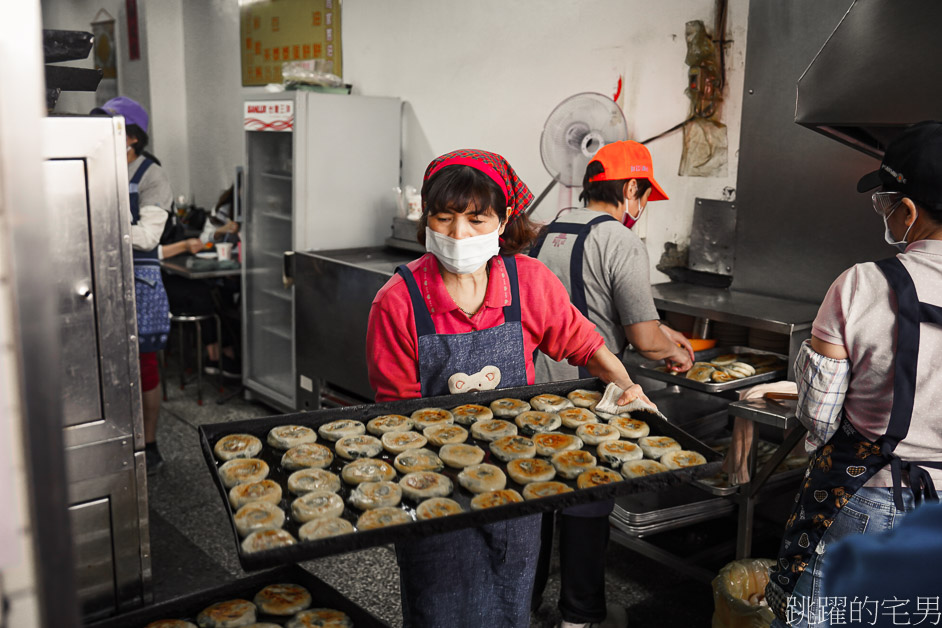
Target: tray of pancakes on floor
[(287, 597), (311, 484), (718, 369)]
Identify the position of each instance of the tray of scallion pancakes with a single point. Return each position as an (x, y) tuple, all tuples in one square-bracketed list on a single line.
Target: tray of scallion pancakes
[(718, 369), (311, 484)]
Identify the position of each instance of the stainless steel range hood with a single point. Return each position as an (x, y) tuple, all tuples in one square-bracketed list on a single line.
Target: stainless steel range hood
[(878, 72)]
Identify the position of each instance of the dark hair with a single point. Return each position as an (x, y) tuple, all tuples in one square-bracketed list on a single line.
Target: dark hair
[(610, 192), (458, 189), (132, 130)]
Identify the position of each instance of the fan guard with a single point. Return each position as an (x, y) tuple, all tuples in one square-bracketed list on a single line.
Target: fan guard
[(576, 129)]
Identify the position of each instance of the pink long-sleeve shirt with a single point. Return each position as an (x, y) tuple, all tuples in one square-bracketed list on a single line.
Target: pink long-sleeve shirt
[(550, 322)]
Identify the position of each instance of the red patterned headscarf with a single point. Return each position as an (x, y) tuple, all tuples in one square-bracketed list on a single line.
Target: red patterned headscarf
[(494, 166)]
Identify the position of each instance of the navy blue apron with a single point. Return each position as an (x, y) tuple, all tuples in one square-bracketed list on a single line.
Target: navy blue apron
[(478, 576), (576, 280), (840, 468), (153, 309)]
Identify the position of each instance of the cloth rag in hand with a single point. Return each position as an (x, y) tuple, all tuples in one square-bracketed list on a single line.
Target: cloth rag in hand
[(608, 403)]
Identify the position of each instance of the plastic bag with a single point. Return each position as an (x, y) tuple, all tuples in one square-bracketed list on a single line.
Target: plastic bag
[(310, 72), (737, 583)]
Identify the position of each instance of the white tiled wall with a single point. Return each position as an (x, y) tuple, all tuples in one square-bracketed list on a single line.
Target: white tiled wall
[(17, 578), (20, 189)]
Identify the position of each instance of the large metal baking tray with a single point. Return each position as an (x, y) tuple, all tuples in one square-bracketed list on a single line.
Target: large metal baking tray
[(649, 369), (189, 606), (305, 550)]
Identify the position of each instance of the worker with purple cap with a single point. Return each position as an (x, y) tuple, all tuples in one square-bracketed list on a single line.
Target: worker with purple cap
[(151, 203)]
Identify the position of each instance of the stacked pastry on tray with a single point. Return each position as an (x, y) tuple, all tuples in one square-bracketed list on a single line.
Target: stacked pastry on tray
[(278, 602), (394, 469), (731, 366)]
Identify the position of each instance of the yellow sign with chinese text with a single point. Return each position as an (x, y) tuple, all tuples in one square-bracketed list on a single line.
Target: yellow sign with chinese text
[(275, 31)]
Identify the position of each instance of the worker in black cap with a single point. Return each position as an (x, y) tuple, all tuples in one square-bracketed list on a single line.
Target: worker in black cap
[(869, 385)]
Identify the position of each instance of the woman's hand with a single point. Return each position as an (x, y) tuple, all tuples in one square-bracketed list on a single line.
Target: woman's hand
[(230, 228), (631, 393), (193, 245), (679, 360), (606, 366)]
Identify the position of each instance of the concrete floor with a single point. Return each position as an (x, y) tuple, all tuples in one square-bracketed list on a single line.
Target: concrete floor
[(193, 547)]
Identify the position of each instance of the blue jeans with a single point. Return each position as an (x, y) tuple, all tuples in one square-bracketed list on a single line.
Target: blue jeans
[(869, 511)]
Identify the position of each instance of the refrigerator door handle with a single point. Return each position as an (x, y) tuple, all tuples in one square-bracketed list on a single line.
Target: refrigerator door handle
[(287, 271)]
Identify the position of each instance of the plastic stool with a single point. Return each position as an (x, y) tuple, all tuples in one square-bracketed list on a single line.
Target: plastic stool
[(196, 319)]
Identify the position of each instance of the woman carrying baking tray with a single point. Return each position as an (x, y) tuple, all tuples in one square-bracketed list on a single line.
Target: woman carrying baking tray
[(605, 268), (445, 320), (151, 200), (869, 389)]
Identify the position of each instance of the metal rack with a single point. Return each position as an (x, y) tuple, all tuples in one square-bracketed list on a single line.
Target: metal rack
[(636, 518), (778, 414)]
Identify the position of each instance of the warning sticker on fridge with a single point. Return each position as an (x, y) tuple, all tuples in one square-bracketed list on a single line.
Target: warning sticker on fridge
[(268, 115)]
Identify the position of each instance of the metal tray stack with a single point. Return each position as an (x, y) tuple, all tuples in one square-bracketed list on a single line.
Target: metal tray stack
[(305, 550), (188, 607), (650, 513), (651, 370)]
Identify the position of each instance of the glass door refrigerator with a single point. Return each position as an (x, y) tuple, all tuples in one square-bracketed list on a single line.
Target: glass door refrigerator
[(320, 173)]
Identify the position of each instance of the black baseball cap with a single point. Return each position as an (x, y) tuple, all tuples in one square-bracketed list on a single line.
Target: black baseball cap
[(912, 164)]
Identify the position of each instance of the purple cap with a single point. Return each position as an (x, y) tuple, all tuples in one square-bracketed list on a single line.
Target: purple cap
[(121, 106)]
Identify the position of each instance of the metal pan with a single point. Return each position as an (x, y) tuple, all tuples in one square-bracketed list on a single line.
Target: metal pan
[(650, 369), (306, 550), (189, 606)]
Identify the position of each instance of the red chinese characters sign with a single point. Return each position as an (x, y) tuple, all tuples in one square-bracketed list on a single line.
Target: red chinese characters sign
[(268, 115), (275, 31)]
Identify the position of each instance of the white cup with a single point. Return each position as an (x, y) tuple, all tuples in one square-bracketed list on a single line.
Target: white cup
[(224, 249)]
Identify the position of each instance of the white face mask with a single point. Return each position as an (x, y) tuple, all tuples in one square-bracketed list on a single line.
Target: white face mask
[(462, 256), (888, 235)]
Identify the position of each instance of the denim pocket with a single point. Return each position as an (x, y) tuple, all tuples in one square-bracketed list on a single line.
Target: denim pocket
[(848, 521)]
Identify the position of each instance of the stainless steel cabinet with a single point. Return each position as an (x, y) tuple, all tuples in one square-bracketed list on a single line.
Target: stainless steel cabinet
[(87, 190), (334, 292)]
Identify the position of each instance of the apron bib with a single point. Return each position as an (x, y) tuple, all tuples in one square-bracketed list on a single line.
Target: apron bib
[(577, 295), (576, 259), (841, 467), (153, 309), (473, 577)]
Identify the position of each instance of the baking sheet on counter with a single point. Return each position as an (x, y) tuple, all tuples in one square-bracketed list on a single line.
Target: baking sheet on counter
[(651, 370), (305, 550), (189, 606)]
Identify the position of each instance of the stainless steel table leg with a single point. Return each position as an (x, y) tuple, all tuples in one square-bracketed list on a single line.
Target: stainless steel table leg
[(199, 362)]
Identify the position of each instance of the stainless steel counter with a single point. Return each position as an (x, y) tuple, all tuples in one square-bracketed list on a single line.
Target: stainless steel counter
[(783, 316), (333, 294)]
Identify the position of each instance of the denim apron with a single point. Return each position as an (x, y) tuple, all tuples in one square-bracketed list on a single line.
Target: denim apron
[(477, 577), (577, 295), (841, 467), (153, 309)]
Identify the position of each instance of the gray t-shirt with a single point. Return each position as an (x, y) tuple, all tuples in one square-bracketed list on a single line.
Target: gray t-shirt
[(617, 283)]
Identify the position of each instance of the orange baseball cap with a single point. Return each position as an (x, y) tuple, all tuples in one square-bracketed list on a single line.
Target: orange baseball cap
[(627, 160)]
